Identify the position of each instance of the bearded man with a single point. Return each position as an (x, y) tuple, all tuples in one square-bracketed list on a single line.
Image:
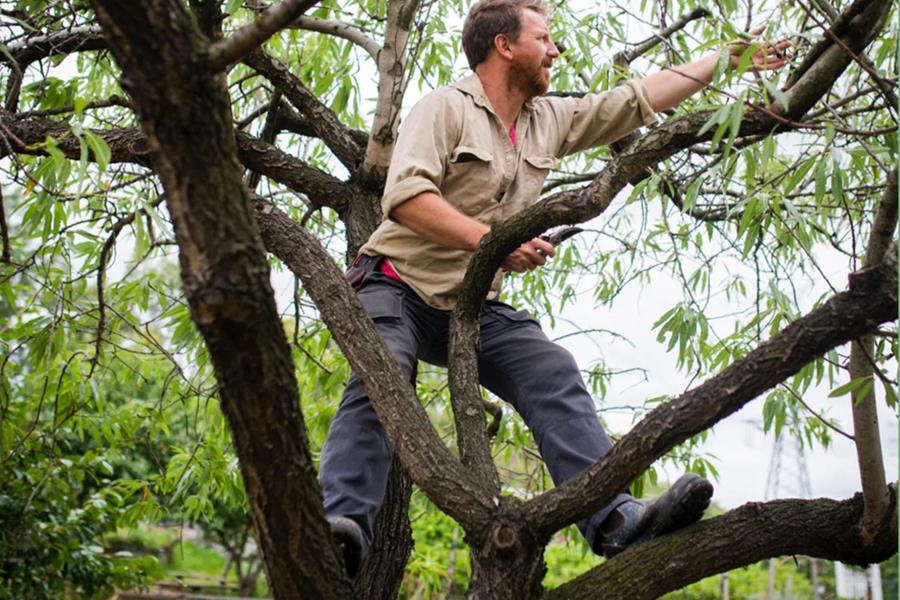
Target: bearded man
[(469, 155)]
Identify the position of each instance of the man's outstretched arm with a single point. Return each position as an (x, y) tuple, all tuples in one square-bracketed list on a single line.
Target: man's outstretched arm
[(669, 87)]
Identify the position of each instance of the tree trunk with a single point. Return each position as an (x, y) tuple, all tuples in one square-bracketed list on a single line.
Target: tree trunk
[(185, 111)]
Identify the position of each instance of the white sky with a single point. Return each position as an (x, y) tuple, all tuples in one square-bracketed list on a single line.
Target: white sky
[(742, 449)]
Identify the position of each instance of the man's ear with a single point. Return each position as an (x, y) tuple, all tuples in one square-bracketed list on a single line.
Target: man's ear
[(502, 45)]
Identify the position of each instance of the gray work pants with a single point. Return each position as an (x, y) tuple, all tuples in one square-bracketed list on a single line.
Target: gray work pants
[(516, 362)]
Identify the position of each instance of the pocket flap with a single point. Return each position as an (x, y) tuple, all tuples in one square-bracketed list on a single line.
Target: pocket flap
[(542, 162), (381, 301), (463, 154)]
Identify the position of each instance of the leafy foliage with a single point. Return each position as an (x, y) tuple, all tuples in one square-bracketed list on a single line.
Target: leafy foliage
[(108, 410)]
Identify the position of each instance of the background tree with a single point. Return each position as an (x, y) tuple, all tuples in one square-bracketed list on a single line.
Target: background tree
[(251, 124)]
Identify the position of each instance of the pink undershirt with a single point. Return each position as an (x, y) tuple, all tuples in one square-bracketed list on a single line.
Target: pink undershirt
[(387, 269)]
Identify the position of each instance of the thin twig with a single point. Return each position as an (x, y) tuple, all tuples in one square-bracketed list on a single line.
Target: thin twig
[(625, 57), (6, 257), (815, 414), (101, 275)]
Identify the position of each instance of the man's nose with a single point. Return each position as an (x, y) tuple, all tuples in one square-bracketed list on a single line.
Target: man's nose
[(553, 50)]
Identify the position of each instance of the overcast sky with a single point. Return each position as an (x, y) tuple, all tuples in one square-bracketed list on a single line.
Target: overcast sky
[(743, 451)]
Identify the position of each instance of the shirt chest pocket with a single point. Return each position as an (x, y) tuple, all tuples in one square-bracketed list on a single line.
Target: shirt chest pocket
[(535, 169), (472, 183)]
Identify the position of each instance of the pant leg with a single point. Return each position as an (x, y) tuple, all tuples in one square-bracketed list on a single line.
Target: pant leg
[(543, 383), (356, 457)]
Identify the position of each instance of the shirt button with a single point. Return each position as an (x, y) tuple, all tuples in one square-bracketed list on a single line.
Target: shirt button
[(509, 157)]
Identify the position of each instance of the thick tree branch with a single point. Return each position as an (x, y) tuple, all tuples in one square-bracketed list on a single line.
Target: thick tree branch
[(865, 412), (6, 253), (468, 405), (185, 110), (77, 39), (130, 145), (268, 135), (382, 573), (234, 47), (321, 188), (885, 87), (322, 119), (870, 301), (126, 145), (391, 86), (821, 528), (342, 30), (292, 121)]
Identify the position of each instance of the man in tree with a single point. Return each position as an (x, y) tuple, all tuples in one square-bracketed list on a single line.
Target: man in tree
[(469, 155)]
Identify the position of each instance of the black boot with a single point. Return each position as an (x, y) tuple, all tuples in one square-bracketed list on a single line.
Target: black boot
[(637, 521), (348, 537)]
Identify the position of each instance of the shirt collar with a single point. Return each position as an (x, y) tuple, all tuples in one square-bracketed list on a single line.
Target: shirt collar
[(471, 85)]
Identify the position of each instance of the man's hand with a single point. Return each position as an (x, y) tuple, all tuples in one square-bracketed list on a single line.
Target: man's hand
[(669, 87), (528, 256), (766, 55)]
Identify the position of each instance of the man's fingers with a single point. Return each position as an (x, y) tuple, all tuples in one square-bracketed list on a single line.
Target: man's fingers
[(759, 29), (528, 256), (543, 247)]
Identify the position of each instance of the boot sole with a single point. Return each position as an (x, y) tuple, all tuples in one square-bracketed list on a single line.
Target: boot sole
[(682, 505)]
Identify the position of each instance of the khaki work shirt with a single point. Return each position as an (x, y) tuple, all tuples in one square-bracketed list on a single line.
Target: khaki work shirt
[(453, 144)]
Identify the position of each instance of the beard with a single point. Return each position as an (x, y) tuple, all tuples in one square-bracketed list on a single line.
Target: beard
[(532, 79)]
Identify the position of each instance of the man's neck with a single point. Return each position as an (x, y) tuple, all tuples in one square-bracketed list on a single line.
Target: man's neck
[(505, 99)]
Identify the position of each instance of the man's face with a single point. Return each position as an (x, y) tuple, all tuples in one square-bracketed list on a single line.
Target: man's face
[(533, 54)]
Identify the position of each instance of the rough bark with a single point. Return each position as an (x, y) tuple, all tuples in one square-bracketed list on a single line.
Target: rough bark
[(468, 405), (865, 413), (126, 145), (382, 574), (340, 29), (185, 111), (823, 528), (507, 560), (78, 39), (291, 120), (318, 186)]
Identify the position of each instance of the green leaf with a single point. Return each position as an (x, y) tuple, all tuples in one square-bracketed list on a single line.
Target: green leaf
[(890, 394), (821, 179), (776, 93), (848, 387), (99, 149), (837, 183), (716, 118)]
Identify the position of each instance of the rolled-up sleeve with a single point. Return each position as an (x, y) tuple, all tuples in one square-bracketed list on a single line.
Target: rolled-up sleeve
[(418, 162), (598, 119)]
